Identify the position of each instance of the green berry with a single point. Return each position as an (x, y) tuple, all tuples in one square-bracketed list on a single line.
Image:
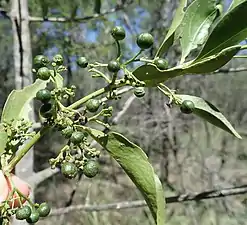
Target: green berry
[(43, 95), (93, 105), (145, 40), (44, 209), (162, 64), (77, 137), (113, 66), (139, 92), (58, 59), (91, 168), (69, 170), (67, 132), (44, 73), (47, 110), (23, 213), (82, 62), (34, 217), (187, 107), (118, 33), (40, 61)]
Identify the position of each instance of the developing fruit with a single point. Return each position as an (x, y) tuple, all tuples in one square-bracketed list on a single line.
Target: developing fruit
[(187, 107), (43, 95), (46, 110), (162, 64), (23, 213), (145, 40), (118, 33), (34, 217), (69, 170), (67, 132), (113, 66), (92, 105), (43, 73), (58, 59), (44, 209), (77, 137), (82, 62), (91, 168), (139, 92), (40, 61)]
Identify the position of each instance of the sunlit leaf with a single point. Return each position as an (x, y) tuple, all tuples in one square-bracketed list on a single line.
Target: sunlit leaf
[(212, 63), (17, 103), (169, 39), (151, 75), (194, 28), (210, 113), (135, 163), (3, 139), (235, 3), (229, 31)]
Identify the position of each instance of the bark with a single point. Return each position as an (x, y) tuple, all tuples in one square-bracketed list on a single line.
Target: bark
[(23, 71)]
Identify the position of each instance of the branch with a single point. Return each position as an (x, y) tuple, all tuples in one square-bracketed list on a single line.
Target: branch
[(37, 178), (82, 19), (140, 203), (231, 70)]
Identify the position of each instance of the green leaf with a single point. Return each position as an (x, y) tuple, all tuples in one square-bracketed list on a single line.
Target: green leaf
[(169, 39), (235, 3), (194, 28), (59, 80), (17, 104), (212, 63), (210, 113), (3, 139), (135, 163), (229, 31), (151, 75)]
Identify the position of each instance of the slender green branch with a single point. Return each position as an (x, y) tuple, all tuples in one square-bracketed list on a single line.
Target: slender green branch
[(243, 47), (94, 94), (21, 153), (100, 74), (133, 58), (118, 50), (86, 98), (143, 60), (240, 56)]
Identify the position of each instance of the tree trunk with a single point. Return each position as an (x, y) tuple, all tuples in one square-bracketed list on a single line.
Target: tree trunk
[(23, 71)]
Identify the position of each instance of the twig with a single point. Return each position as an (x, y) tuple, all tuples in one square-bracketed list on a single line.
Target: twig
[(37, 178), (231, 70), (82, 19), (140, 203)]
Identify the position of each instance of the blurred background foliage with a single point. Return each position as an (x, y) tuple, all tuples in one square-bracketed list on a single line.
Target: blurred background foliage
[(188, 154)]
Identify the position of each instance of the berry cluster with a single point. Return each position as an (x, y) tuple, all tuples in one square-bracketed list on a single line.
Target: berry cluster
[(77, 157), (32, 214)]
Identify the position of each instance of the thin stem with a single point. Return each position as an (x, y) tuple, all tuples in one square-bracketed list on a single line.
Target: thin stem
[(243, 47), (100, 74), (133, 58), (21, 153), (94, 94), (114, 77), (119, 54), (86, 98), (240, 56)]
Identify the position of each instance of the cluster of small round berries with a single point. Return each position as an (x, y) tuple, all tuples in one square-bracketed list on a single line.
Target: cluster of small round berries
[(32, 214)]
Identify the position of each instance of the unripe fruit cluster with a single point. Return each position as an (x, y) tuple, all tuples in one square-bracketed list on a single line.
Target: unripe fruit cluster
[(32, 215)]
